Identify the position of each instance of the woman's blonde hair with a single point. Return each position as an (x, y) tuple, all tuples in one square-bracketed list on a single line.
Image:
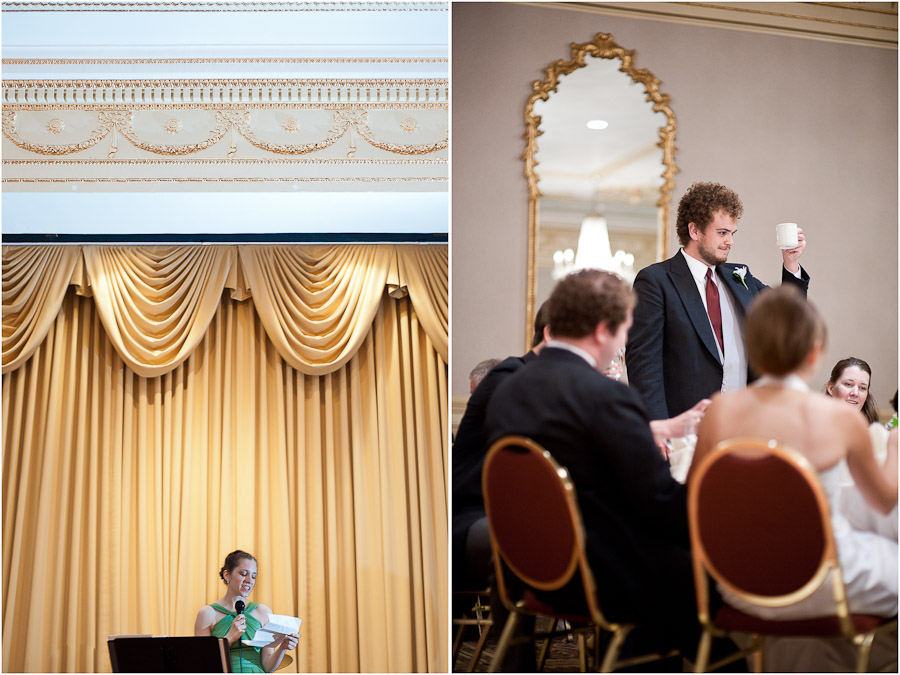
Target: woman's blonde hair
[(781, 329)]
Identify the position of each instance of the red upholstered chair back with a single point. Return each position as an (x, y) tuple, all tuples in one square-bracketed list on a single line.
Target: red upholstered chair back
[(760, 521), (531, 510)]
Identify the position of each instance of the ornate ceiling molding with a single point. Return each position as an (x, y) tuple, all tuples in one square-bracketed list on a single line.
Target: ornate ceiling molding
[(224, 7), (866, 23), (236, 130), (281, 91), (191, 61)]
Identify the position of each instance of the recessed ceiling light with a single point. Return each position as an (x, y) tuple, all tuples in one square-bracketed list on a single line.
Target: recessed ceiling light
[(597, 124)]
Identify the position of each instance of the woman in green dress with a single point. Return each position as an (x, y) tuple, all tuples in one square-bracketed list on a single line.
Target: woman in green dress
[(223, 619)]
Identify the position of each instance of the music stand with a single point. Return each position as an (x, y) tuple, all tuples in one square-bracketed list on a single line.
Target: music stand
[(205, 654)]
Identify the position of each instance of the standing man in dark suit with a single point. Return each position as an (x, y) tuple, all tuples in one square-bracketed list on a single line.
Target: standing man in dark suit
[(687, 339), (634, 513)]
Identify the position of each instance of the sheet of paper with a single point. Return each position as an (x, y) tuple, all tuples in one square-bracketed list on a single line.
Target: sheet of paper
[(260, 639), (281, 623)]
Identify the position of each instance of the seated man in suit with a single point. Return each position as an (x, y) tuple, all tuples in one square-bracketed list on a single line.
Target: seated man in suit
[(687, 339), (634, 512), (471, 540)]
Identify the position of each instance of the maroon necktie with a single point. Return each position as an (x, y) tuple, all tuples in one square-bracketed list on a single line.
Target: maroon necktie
[(713, 308)]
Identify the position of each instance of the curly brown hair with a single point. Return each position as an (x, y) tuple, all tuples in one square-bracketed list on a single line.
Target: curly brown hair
[(700, 204), (584, 298)]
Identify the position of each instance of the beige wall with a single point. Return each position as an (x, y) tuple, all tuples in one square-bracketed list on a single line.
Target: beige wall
[(804, 130)]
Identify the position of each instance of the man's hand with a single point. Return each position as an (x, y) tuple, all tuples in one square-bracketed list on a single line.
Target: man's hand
[(791, 256)]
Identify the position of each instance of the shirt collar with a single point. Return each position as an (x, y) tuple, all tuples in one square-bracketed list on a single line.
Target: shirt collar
[(698, 268), (575, 350)]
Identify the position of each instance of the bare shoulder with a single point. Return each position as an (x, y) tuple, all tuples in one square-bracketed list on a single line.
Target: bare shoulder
[(206, 618), (722, 404), (206, 613), (262, 612), (836, 417), (838, 411)]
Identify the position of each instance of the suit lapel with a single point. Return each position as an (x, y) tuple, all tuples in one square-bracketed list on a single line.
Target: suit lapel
[(684, 283), (738, 292)]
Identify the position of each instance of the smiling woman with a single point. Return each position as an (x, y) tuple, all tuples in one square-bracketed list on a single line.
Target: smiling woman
[(233, 618), (849, 382)]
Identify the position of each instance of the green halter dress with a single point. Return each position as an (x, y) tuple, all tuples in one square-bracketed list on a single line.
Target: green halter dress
[(244, 659)]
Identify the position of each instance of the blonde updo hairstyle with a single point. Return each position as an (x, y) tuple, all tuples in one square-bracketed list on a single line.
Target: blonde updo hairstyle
[(781, 329)]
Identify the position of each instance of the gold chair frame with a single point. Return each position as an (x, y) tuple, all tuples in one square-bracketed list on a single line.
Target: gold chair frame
[(578, 562), (828, 564), (481, 619)]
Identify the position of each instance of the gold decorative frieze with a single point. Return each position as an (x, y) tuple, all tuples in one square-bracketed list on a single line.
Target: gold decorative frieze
[(100, 92), (135, 127), (254, 131), (212, 161)]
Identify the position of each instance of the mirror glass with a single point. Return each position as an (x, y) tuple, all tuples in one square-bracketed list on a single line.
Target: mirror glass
[(602, 178)]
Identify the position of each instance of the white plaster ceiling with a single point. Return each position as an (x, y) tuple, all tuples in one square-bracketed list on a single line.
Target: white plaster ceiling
[(217, 41)]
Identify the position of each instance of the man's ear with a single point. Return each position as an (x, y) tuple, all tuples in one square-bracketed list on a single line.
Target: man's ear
[(547, 336), (601, 333), (694, 231)]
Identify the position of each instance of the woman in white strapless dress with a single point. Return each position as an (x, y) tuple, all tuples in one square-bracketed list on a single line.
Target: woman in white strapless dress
[(785, 339)]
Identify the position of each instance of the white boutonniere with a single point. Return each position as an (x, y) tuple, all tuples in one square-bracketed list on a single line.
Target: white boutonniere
[(739, 274)]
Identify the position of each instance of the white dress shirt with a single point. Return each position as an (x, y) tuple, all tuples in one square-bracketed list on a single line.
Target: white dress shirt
[(734, 362)]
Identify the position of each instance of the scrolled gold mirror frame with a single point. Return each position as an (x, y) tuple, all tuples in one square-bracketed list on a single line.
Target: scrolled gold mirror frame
[(602, 46)]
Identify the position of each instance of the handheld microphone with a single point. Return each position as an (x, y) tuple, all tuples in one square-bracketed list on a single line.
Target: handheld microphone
[(239, 608)]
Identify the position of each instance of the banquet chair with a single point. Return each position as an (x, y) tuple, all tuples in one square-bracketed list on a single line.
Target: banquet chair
[(540, 562), (477, 615), (760, 528)]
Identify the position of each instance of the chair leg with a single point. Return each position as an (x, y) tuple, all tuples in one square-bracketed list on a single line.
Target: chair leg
[(703, 652), (759, 656), (457, 642), (503, 643), (542, 657), (862, 655), (612, 652), (476, 655), (582, 654)]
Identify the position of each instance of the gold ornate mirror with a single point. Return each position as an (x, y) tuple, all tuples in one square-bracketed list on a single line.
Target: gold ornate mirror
[(607, 167)]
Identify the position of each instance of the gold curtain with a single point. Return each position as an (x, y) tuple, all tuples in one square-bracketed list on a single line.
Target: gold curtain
[(122, 493)]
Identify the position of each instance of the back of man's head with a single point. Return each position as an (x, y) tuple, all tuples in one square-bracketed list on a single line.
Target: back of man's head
[(540, 322), (478, 373), (585, 298)]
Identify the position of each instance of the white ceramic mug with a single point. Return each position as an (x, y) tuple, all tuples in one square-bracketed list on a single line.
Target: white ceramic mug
[(786, 235)]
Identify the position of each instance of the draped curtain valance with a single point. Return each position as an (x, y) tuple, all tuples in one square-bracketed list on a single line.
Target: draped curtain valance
[(316, 303)]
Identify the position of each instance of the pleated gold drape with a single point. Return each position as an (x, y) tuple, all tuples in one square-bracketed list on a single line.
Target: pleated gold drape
[(122, 492)]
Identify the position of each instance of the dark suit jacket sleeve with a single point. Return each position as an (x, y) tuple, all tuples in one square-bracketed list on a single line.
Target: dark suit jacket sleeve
[(802, 283), (643, 475), (644, 351), (470, 445)]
